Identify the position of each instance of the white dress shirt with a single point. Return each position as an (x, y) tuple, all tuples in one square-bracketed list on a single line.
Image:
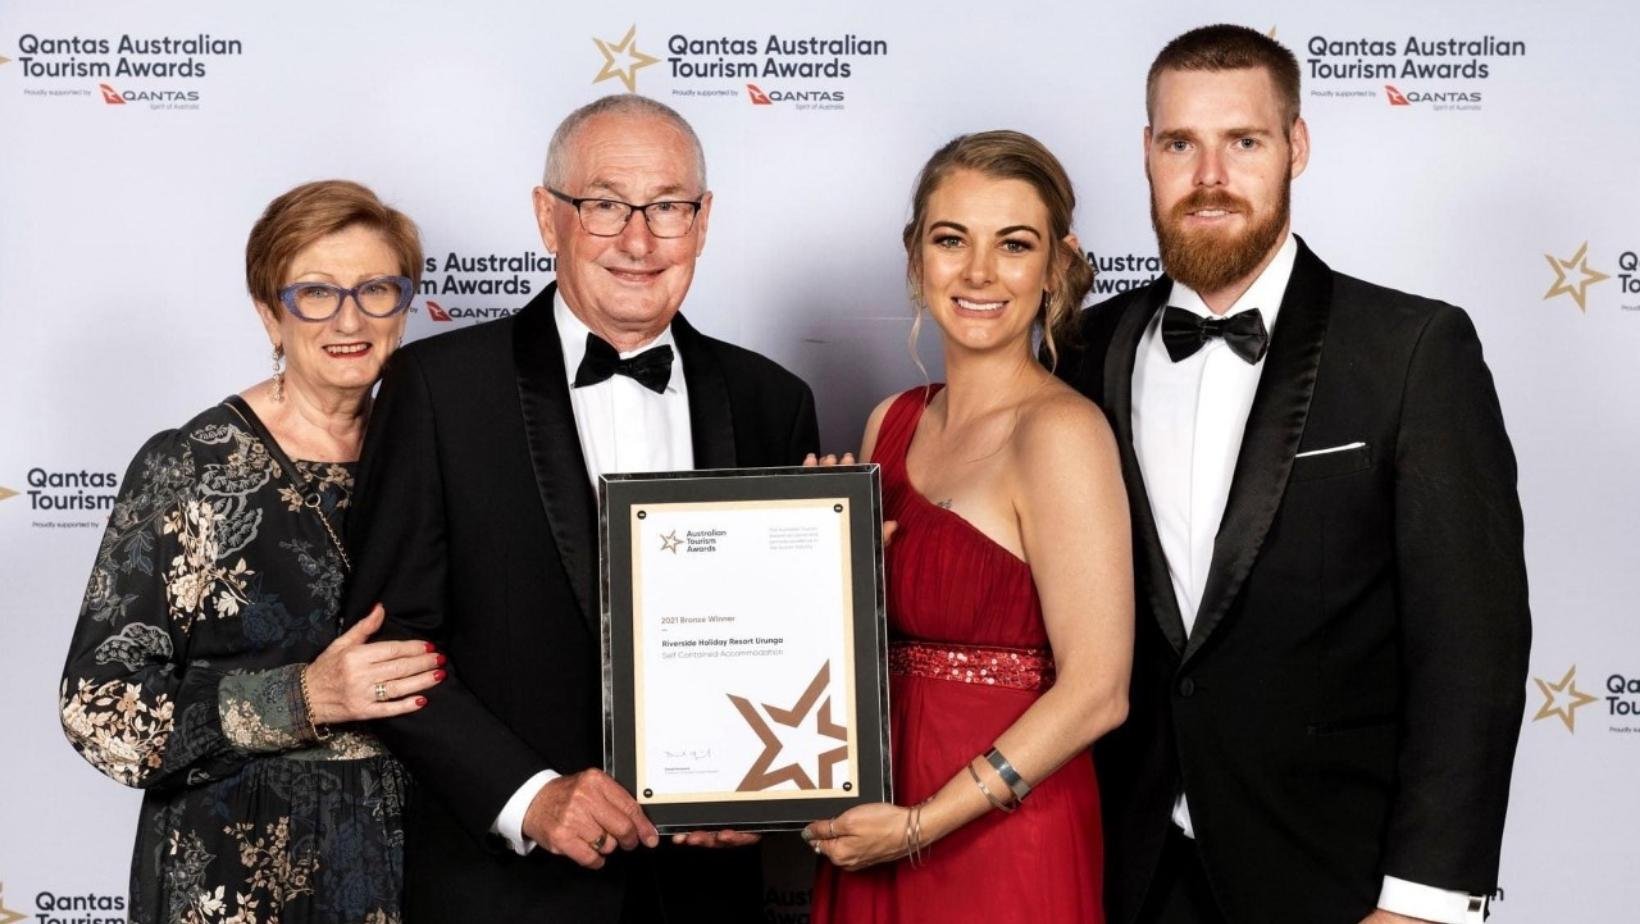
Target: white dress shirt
[(1188, 420), (624, 427)]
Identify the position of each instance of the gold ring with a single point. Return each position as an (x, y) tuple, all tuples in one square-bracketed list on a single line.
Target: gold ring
[(598, 845), (381, 692), (831, 827)]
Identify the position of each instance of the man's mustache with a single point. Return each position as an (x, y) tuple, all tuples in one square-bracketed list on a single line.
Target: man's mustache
[(1210, 199)]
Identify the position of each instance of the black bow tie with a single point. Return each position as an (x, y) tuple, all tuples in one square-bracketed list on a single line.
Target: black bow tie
[(1185, 332), (652, 368)]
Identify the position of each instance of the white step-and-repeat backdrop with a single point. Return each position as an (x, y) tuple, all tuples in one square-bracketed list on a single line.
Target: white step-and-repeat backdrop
[(1482, 153)]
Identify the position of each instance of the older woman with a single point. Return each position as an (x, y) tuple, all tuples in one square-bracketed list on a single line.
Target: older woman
[(207, 667)]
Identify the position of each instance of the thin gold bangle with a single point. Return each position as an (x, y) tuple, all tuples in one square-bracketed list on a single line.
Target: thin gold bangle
[(307, 703), (910, 848), (987, 790), (916, 834)]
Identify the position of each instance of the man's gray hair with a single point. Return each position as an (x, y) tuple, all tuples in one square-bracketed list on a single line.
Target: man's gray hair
[(624, 104)]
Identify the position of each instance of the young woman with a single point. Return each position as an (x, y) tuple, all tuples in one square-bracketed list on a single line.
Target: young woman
[(1010, 576)]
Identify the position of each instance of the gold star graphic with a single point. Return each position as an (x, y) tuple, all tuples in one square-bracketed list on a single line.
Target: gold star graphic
[(760, 776), (1577, 290), (6, 492), (4, 60), (8, 916), (628, 73), (1574, 698), (670, 542)]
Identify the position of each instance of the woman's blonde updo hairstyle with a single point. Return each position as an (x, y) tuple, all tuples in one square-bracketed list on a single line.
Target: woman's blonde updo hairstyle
[(1011, 155)]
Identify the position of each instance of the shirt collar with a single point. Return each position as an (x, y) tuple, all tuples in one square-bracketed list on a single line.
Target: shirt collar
[(572, 338), (1264, 294)]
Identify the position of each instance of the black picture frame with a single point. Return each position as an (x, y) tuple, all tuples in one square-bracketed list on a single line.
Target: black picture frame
[(618, 494)]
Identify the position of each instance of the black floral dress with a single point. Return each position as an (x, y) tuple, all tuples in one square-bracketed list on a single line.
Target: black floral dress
[(213, 587)]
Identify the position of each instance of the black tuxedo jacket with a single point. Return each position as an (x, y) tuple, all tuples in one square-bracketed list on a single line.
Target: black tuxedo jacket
[(475, 524), (1348, 703)]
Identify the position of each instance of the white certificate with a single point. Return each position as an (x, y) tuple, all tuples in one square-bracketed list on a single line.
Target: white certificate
[(743, 650)]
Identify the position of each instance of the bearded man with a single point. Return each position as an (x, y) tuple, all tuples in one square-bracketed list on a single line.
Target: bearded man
[(1332, 639)]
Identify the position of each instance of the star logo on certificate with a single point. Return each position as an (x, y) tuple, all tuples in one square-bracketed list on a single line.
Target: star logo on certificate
[(6, 492), (1564, 270), (763, 774), (1562, 699), (8, 916), (627, 48), (670, 542)]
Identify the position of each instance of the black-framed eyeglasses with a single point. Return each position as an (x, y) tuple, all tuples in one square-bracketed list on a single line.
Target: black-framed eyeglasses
[(381, 297), (608, 217)]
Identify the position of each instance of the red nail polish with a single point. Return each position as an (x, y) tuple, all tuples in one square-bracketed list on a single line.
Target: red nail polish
[(442, 660), (439, 675), (431, 647), (421, 701)]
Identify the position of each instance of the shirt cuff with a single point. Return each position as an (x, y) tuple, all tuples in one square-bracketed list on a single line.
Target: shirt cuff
[(510, 823), (1443, 906)]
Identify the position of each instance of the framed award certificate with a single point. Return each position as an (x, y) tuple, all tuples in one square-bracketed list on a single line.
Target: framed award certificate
[(744, 644)]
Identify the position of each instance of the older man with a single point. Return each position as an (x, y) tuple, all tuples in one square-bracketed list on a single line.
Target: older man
[(475, 523)]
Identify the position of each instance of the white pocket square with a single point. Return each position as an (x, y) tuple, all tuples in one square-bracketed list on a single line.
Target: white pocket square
[(1331, 449)]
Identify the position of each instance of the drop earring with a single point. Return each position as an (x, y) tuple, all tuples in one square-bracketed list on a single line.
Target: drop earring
[(278, 373)]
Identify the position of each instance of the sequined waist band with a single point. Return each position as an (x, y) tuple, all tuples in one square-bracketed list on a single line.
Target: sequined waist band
[(1014, 668)]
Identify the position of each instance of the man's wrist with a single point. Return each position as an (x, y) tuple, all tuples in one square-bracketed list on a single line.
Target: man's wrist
[(509, 824)]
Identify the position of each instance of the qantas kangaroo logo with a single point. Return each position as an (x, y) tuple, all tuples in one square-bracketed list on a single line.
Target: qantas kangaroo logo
[(759, 98), (111, 96), (1395, 97), (436, 312)]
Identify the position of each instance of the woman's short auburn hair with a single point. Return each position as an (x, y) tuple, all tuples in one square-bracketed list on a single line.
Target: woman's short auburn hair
[(311, 211)]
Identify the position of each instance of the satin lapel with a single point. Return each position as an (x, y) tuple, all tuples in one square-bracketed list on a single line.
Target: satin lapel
[(555, 447), (1120, 356), (711, 423), (1274, 425)]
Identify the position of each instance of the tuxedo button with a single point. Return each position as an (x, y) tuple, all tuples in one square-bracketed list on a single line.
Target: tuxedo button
[(1187, 688)]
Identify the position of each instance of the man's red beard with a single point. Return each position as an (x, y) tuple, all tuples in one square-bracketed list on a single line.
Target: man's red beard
[(1209, 260)]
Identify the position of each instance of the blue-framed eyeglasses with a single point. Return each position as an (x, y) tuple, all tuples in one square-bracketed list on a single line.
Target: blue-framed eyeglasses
[(381, 297)]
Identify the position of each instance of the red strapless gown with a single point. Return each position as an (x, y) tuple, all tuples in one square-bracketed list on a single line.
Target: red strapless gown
[(954, 597)]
